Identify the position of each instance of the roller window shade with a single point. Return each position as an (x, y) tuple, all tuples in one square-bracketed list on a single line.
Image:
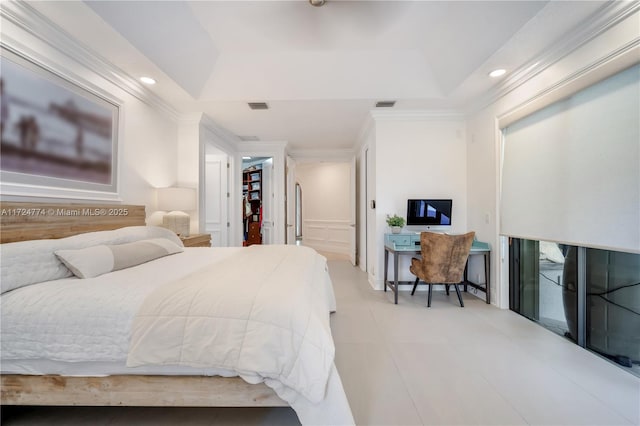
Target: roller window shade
[(571, 171)]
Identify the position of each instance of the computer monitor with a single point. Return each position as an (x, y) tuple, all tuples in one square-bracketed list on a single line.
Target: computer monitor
[(429, 212)]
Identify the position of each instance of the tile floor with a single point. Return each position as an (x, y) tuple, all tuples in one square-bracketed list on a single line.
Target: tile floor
[(408, 365)]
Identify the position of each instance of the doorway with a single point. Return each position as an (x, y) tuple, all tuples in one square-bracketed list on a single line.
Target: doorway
[(257, 200), (323, 207)]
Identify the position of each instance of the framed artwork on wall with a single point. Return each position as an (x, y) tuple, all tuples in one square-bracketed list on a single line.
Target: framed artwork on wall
[(59, 138)]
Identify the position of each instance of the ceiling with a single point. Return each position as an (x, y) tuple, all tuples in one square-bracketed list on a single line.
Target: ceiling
[(320, 69)]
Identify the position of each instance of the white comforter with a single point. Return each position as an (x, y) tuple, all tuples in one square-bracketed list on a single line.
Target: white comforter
[(263, 312), (88, 320), (73, 321)]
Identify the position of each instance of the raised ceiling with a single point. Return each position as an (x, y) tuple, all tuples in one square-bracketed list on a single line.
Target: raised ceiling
[(320, 69)]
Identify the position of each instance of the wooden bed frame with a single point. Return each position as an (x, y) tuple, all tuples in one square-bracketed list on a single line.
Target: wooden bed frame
[(32, 221)]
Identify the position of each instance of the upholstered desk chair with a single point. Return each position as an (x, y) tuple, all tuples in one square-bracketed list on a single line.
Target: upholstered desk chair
[(443, 260)]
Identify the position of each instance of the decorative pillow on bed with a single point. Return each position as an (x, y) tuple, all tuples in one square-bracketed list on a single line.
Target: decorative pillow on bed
[(97, 260), (31, 262)]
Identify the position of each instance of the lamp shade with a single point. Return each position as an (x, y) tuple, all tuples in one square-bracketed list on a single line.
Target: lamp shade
[(176, 199)]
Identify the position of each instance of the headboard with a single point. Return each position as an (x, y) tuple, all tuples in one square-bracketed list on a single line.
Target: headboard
[(33, 221)]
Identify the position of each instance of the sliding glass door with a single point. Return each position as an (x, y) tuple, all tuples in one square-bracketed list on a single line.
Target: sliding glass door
[(613, 305), (590, 296), (542, 288)]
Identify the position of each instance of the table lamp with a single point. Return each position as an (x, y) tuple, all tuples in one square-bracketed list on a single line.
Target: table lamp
[(176, 201)]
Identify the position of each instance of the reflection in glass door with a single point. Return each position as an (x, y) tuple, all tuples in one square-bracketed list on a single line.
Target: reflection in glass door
[(588, 295), (542, 287), (612, 281)]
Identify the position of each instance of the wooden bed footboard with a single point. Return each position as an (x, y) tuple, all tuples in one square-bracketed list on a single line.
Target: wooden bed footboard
[(136, 390)]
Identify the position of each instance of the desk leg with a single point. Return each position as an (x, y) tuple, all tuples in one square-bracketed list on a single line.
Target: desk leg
[(487, 271), (386, 268), (465, 278), (395, 275)]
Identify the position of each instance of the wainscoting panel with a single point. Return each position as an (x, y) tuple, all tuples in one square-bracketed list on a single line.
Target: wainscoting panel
[(326, 235)]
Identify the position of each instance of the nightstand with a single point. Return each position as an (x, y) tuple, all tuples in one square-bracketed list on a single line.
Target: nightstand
[(197, 240)]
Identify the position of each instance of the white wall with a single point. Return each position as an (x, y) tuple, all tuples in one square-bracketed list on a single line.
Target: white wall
[(326, 211), (148, 134), (187, 157), (148, 159), (484, 136), (417, 155)]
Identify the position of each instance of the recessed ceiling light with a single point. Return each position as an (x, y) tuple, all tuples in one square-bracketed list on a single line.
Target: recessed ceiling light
[(497, 73), (147, 80), (246, 158)]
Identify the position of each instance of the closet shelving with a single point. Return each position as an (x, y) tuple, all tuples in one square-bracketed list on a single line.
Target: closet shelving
[(252, 202)]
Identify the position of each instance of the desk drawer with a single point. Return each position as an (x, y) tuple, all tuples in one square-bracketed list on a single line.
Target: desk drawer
[(399, 239)]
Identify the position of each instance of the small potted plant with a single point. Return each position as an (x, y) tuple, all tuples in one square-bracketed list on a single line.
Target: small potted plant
[(396, 223)]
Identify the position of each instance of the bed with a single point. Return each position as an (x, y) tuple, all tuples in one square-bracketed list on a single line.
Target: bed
[(194, 327)]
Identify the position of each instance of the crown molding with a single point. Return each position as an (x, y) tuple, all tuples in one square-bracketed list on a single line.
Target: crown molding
[(25, 53), (190, 118), (315, 155), (374, 116), (365, 130), (609, 15), (624, 57), (262, 146), (33, 22), (412, 115), (223, 137)]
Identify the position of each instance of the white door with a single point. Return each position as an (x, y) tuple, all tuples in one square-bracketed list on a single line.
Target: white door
[(216, 201), (291, 200), (352, 211), (267, 202)]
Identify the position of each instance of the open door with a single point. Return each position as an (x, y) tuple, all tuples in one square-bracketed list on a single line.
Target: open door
[(352, 207), (267, 202)]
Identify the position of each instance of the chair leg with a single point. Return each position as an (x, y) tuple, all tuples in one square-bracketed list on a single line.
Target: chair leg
[(429, 296), (446, 288), (459, 295), (415, 285)]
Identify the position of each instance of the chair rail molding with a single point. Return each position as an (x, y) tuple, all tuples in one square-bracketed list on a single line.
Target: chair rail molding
[(327, 235)]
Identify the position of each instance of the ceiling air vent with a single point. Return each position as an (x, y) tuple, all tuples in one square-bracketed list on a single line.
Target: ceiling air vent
[(385, 104), (258, 105)]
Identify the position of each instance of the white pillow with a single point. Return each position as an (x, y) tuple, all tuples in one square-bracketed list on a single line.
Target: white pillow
[(30, 262), (97, 260)]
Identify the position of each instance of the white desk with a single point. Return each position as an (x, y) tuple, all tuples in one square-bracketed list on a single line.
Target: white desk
[(398, 251)]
